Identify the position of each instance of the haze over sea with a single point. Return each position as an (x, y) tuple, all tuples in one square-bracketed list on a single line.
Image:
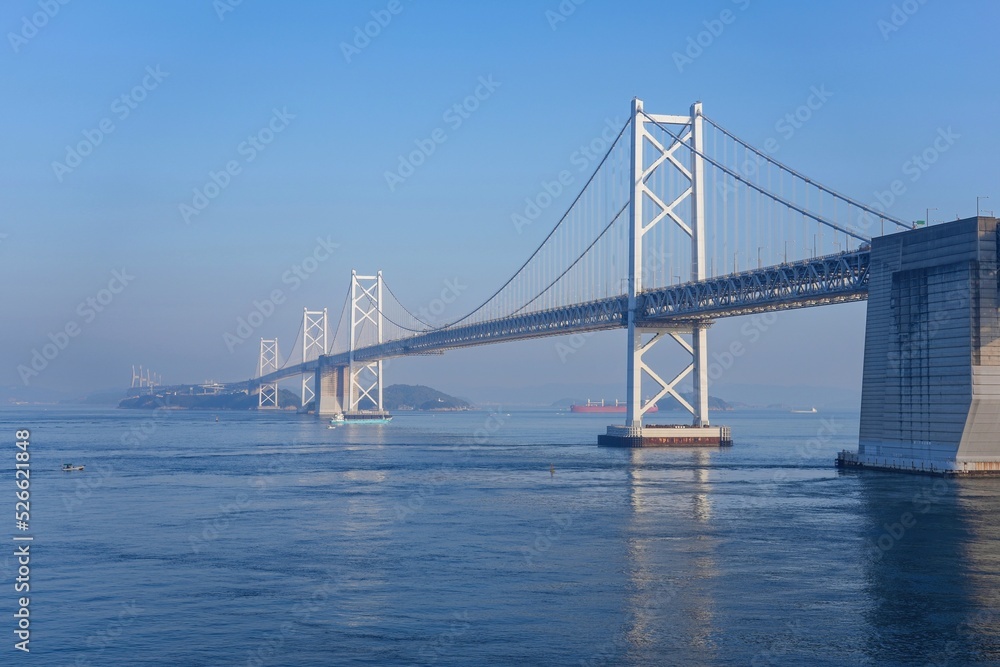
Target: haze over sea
[(481, 539)]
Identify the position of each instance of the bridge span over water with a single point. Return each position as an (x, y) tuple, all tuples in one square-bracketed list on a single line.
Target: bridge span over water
[(682, 223)]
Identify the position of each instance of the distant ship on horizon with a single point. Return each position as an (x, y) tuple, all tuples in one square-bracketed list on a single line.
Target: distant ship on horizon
[(805, 412), (595, 407)]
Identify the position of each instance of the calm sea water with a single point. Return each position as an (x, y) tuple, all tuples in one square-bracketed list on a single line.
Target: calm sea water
[(471, 539)]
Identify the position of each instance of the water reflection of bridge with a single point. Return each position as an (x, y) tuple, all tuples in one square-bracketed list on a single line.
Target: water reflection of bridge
[(849, 568)]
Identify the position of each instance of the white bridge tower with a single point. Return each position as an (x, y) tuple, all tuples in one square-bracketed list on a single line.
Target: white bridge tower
[(314, 331), (647, 209), (268, 396), (365, 381)]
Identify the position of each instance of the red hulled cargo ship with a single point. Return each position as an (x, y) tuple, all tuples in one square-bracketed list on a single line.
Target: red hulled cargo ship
[(594, 407)]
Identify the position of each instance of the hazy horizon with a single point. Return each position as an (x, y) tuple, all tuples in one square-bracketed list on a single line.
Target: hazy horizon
[(155, 247)]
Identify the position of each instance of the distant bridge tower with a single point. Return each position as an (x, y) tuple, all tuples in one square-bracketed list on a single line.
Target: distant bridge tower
[(365, 377), (646, 210), (148, 380), (314, 328), (268, 396)]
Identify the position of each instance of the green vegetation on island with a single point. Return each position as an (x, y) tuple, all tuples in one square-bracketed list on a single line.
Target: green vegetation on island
[(419, 397)]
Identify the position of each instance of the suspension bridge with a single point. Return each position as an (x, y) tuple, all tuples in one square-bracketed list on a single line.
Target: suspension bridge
[(680, 223)]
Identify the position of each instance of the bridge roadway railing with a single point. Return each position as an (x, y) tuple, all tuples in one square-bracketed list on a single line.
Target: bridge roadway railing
[(813, 282), (818, 281)]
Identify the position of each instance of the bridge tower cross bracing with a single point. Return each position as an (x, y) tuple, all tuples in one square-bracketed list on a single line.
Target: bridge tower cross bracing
[(314, 343), (664, 156), (268, 395), (365, 378)]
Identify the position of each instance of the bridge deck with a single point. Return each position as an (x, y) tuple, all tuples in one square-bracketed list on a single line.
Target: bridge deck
[(818, 281)]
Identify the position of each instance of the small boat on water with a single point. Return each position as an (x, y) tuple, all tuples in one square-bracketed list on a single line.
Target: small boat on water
[(804, 412), (69, 467), (361, 418)]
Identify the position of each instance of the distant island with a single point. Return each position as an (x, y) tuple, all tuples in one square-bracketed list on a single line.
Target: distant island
[(668, 403), (419, 397), (222, 401), (397, 397), (671, 403)]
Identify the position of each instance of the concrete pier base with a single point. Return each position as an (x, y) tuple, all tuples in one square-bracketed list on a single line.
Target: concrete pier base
[(666, 436), (931, 390), (331, 389), (919, 466)]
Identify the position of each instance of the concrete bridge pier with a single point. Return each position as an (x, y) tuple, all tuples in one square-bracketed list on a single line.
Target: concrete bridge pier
[(331, 388), (931, 390)]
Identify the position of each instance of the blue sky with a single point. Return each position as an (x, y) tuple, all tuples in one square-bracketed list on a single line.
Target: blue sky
[(343, 124)]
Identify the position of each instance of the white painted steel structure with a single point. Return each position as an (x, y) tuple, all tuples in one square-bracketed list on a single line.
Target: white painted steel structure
[(314, 344), (365, 378), (679, 224), (269, 362), (646, 203)]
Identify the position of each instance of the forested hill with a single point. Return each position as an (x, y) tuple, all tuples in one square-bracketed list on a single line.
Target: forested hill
[(419, 397)]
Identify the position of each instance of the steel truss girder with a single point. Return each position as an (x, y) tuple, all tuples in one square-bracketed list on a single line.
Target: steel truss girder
[(592, 316), (822, 280)]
